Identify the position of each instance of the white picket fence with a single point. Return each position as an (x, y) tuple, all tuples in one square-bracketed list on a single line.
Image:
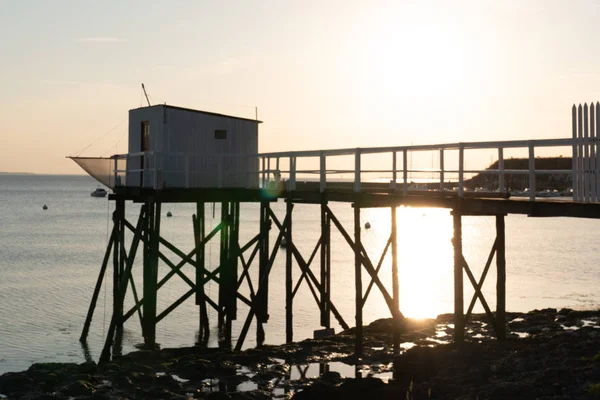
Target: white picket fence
[(586, 155)]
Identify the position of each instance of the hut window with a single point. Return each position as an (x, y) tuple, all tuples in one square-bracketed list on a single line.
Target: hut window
[(220, 134)]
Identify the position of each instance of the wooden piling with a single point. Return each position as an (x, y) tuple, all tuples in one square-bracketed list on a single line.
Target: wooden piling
[(224, 325), (151, 276), (395, 285), (90, 314), (289, 297), (199, 236), (120, 250), (459, 322), (115, 283), (501, 278), (325, 265), (358, 343), (262, 316)]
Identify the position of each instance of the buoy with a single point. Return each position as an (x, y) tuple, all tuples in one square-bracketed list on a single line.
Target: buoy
[(45, 207), (367, 225), (169, 214)]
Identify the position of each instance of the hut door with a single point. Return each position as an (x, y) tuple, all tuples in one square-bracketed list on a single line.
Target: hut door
[(145, 140)]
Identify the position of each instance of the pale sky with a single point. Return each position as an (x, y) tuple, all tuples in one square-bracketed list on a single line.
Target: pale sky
[(323, 74)]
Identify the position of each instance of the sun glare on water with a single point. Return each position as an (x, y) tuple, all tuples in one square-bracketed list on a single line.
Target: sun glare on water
[(425, 257)]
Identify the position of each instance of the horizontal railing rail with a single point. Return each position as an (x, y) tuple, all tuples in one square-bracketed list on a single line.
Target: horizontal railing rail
[(261, 170)]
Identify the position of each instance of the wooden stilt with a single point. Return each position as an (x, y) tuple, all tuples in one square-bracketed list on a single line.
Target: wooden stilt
[(325, 274), (90, 314), (232, 264), (116, 221), (459, 324), (105, 355), (199, 236), (358, 283), (224, 279), (395, 286), (501, 278), (289, 297), (262, 315), (120, 259), (151, 276)]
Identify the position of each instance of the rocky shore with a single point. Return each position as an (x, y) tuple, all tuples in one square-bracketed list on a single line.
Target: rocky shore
[(549, 354)]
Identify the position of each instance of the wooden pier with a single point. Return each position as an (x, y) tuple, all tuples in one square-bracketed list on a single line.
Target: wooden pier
[(281, 178)]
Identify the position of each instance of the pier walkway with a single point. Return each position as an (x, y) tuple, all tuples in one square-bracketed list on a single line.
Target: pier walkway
[(363, 177)]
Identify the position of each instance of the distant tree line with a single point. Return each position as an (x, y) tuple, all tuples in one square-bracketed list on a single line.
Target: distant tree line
[(557, 181)]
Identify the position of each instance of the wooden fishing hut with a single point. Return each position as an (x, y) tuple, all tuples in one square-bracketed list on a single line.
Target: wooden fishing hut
[(179, 155)]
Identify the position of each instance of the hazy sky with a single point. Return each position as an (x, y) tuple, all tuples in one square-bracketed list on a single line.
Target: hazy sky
[(323, 74)]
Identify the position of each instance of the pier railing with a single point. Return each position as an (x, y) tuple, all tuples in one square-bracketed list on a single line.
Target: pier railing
[(390, 166), (394, 164)]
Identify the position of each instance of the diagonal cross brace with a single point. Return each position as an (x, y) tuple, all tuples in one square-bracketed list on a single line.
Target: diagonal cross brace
[(366, 262), (479, 294), (310, 274)]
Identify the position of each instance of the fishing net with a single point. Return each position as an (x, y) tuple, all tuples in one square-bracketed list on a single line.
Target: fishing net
[(103, 169)]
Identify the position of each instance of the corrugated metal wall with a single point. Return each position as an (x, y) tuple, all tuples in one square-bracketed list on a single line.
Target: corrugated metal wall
[(187, 152)]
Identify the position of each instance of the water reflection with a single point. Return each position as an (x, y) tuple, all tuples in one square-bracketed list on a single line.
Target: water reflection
[(425, 257)]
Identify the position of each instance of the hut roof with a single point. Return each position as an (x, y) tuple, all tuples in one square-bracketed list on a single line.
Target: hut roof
[(201, 112)]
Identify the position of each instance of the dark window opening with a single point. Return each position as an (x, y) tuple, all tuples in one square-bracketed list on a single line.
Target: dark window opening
[(220, 134)]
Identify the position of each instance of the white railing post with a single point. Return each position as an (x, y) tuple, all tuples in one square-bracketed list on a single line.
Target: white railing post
[(580, 169), (461, 169), (292, 180), (187, 171), (155, 156), (501, 183), (586, 156), (357, 170), (442, 170), (322, 172), (393, 186), (532, 186), (592, 161), (405, 171), (574, 162), (115, 174), (220, 171), (595, 144), (263, 179)]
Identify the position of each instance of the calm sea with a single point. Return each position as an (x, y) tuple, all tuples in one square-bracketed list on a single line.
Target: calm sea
[(50, 260)]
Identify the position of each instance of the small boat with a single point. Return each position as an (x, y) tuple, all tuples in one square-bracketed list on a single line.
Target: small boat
[(99, 192), (169, 214), (45, 207)]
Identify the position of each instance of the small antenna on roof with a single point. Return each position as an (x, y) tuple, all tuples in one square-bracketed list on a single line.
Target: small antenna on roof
[(145, 94)]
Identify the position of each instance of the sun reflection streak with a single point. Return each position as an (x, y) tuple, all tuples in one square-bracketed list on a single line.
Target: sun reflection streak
[(425, 257)]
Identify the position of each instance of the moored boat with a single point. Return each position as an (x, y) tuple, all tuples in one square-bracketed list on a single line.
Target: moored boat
[(99, 192)]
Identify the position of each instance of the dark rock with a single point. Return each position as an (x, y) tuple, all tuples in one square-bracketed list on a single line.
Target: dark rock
[(77, 388), (534, 330), (12, 383), (416, 364), (218, 396), (89, 367), (46, 396), (99, 396), (511, 390), (331, 376), (317, 391)]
